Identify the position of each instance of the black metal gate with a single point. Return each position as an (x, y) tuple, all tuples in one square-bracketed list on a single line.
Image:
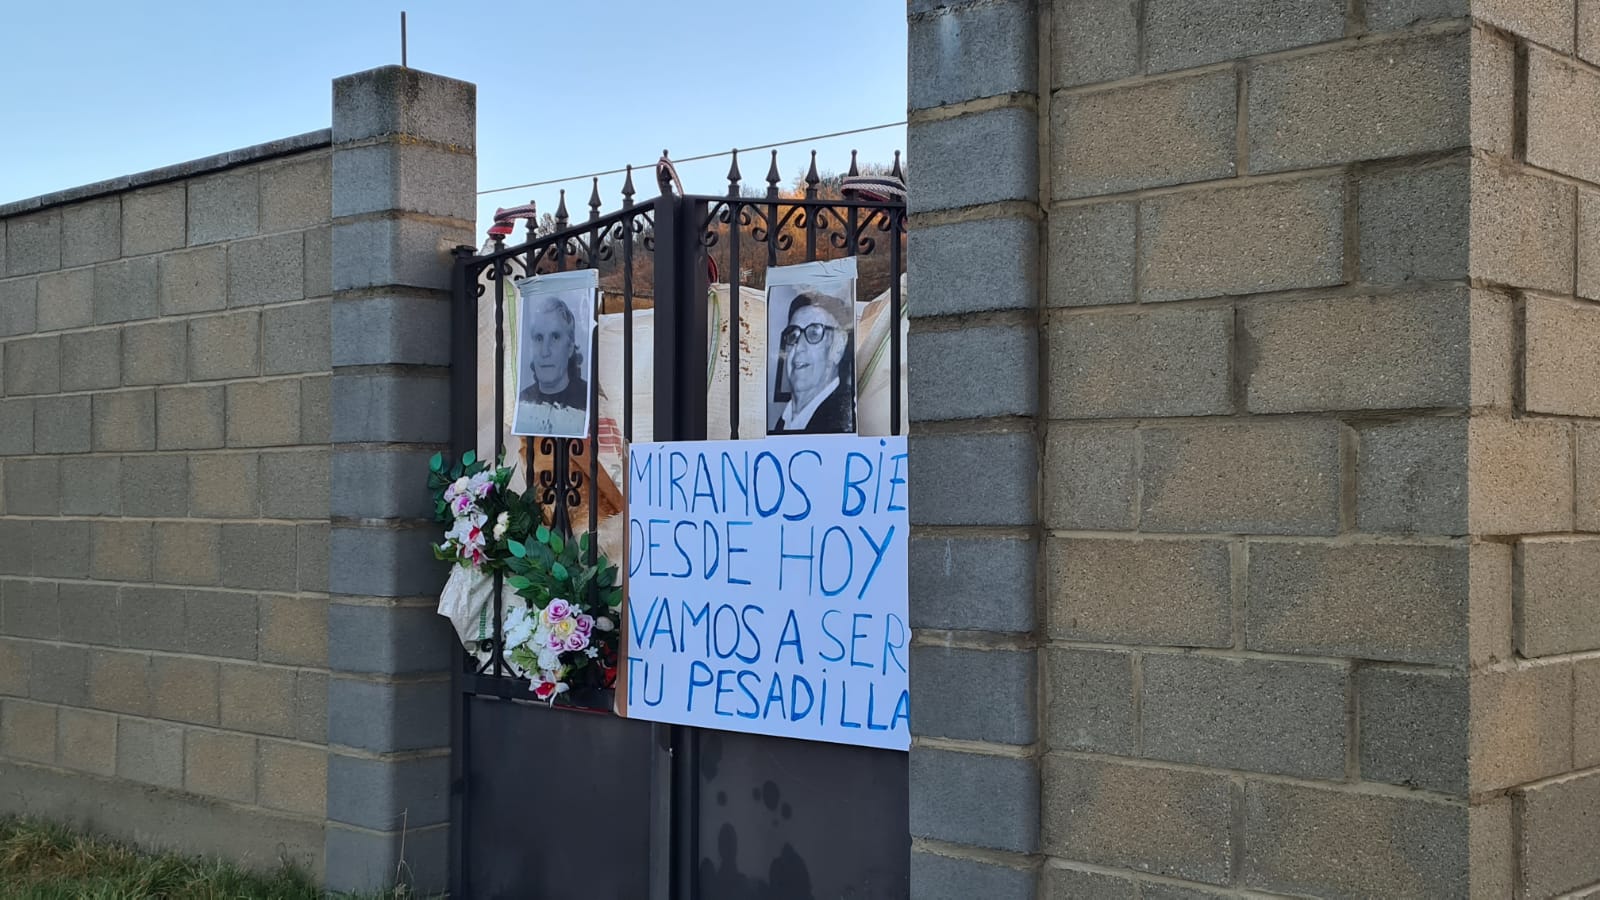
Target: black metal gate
[(568, 802)]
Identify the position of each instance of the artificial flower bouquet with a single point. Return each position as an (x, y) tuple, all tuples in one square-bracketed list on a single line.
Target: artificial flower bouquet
[(565, 634)]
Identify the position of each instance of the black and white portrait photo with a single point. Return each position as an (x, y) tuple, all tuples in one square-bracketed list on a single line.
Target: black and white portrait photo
[(811, 324), (555, 324)]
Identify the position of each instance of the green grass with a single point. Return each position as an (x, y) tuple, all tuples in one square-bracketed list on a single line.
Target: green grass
[(47, 862)]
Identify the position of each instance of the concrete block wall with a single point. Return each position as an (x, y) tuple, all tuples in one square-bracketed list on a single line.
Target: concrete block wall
[(164, 426), (1253, 398), (216, 592)]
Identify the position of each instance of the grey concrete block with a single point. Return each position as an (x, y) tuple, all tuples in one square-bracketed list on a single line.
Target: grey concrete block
[(61, 424), (16, 427), (392, 100), (1182, 34), (294, 630), (972, 52), (120, 550), (1091, 701), (311, 706), (395, 251), (944, 493), (1383, 15), (1141, 591), (1164, 362), (152, 618), (33, 243), (125, 290), (31, 610), (1413, 728), (1095, 40), (33, 365), (220, 623), (1414, 223), (296, 339), (977, 695), (224, 207), (263, 414), (319, 261), (390, 408), (1321, 842), (194, 280), (32, 487), (91, 359), (266, 270), (364, 862), (155, 486), (91, 232), (977, 584), (409, 177), (316, 409), (392, 640), (973, 372), (1401, 97), (257, 699), (1089, 478), (1272, 478), (936, 877), (388, 795), (1158, 820), (91, 486), (59, 675), (125, 421), (1411, 477), (386, 717), (371, 331), (981, 800), (380, 484), (225, 346), (150, 752), (1278, 717), (1555, 581), (1092, 255), (259, 557), (66, 299), (89, 615), (384, 562), (190, 418), (311, 556), (1005, 139), (1558, 827), (154, 353), (154, 220), (297, 194), (1148, 134), (16, 546), (58, 550), (19, 306), (1074, 884), (972, 267), (294, 485)]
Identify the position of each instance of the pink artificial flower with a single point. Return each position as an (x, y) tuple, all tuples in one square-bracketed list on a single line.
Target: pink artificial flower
[(585, 623), (576, 641), (558, 609), (461, 504)]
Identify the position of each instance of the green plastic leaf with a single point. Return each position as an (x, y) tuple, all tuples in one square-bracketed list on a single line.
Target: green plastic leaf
[(517, 548), (469, 457), (583, 542), (543, 534), (517, 582), (436, 463), (556, 543), (559, 571)]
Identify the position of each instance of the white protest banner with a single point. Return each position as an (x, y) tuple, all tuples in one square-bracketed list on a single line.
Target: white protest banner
[(767, 587)]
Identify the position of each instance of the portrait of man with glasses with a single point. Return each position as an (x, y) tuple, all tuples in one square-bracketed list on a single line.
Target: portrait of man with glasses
[(814, 379)]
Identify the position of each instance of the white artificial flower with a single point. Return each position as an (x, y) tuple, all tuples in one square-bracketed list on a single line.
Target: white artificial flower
[(518, 627), (501, 523), (549, 660), (602, 623), (591, 651)]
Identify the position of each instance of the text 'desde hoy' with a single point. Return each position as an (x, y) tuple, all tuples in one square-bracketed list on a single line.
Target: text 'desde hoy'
[(767, 587)]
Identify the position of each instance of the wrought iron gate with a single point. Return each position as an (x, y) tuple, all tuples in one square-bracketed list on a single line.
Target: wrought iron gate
[(646, 810)]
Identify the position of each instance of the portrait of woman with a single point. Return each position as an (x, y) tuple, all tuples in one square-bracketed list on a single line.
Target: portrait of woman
[(555, 323)]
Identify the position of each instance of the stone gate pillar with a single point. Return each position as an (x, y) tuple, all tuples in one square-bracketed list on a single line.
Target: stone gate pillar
[(404, 182), (1312, 289)]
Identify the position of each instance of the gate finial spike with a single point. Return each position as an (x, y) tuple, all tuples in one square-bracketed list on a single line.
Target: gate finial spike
[(561, 212), (853, 170), (812, 178), (733, 174), (627, 188), (896, 170), (773, 177), (594, 200)]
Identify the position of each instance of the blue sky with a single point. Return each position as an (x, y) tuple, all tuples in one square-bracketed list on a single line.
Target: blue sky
[(93, 90)]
